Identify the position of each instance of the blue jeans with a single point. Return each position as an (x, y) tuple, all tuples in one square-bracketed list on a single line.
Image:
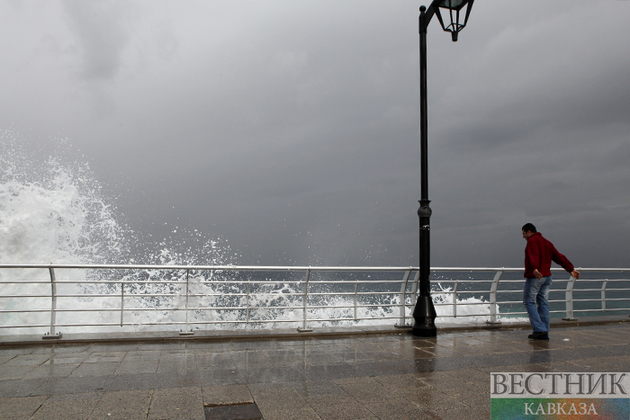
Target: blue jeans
[(535, 300)]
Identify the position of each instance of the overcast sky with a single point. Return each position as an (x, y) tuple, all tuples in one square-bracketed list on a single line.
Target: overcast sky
[(290, 128)]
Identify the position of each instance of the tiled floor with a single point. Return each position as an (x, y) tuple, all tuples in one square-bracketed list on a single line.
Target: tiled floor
[(380, 376)]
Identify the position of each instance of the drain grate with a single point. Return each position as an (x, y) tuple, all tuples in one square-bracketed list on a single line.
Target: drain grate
[(239, 411)]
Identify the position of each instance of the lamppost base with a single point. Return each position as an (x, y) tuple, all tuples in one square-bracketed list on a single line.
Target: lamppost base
[(424, 315), (424, 330)]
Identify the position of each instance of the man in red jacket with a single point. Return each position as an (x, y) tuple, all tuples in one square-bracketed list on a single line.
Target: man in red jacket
[(539, 253)]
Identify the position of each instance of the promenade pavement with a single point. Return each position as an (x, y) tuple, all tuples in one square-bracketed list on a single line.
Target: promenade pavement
[(355, 376)]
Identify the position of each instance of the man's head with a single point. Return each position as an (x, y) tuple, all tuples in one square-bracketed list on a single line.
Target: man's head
[(528, 230)]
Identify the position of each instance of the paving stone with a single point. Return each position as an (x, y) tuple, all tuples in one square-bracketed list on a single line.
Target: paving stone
[(15, 372), (247, 411), (254, 344), (404, 386), (367, 391), (5, 357), (71, 385), (95, 369), (67, 407), (333, 407), (210, 345), (271, 375), (48, 370), (123, 405), (21, 407), (138, 366), (161, 346), (220, 376), (280, 397), (142, 355), (462, 413), (19, 388), (67, 358), (333, 372), (224, 360), (17, 349), (177, 403), (316, 388), (177, 362), (114, 346), (153, 381), (27, 360), (302, 413), (291, 359), (281, 403), (227, 394), (398, 410), (61, 348), (106, 357)]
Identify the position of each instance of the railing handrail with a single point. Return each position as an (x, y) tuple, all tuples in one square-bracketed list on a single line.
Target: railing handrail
[(231, 267)]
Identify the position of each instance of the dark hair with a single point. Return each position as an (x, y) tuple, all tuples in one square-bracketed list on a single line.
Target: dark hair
[(528, 227)]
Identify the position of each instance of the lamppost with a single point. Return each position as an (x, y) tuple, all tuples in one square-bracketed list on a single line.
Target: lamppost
[(424, 312)]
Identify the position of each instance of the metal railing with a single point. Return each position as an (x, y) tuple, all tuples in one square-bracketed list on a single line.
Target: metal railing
[(93, 298)]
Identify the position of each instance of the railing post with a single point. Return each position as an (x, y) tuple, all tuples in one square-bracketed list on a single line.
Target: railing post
[(604, 285), (186, 330), (455, 298), (305, 327), (414, 288), (53, 307), (493, 299), (356, 299), (403, 301), (122, 302), (568, 296), (247, 298)]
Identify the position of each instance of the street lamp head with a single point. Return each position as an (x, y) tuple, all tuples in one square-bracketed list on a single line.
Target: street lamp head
[(457, 10)]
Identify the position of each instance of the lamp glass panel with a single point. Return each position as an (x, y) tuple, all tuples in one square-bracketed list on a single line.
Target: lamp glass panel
[(453, 4)]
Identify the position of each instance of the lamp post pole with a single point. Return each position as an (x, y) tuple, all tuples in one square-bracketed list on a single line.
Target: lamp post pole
[(424, 313)]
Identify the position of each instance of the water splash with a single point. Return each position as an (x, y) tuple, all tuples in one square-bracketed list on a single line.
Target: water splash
[(53, 210)]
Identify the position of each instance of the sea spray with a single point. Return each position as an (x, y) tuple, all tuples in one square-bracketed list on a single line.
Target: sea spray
[(53, 210)]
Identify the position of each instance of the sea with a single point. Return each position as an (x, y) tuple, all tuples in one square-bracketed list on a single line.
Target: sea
[(53, 210)]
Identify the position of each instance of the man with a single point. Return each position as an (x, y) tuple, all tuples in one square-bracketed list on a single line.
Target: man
[(539, 253)]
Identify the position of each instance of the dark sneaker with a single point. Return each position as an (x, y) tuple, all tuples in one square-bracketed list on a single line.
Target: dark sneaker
[(539, 336)]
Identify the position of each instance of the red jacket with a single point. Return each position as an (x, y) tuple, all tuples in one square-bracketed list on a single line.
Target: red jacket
[(539, 253)]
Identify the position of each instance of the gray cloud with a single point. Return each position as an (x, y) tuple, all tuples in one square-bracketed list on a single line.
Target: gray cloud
[(100, 36), (291, 128)]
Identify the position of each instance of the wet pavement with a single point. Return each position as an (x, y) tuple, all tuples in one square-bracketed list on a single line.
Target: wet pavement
[(367, 376)]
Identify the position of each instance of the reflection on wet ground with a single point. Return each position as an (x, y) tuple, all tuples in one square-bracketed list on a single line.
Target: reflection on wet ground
[(371, 376)]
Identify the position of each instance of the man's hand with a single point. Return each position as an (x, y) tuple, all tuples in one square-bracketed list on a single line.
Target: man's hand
[(575, 274), (537, 274)]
